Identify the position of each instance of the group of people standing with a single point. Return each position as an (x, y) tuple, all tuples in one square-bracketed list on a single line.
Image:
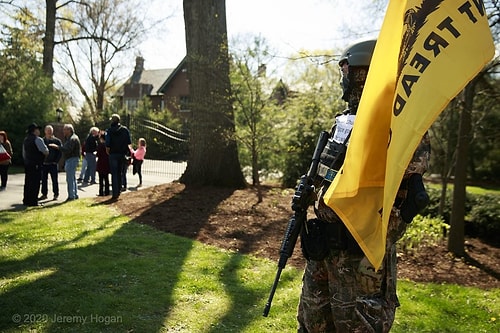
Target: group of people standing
[(106, 153)]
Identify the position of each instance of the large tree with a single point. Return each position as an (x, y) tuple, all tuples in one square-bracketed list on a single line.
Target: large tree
[(468, 99), (456, 238), (48, 39), (213, 155)]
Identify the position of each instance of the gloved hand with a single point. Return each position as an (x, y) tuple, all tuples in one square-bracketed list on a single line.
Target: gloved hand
[(416, 199)]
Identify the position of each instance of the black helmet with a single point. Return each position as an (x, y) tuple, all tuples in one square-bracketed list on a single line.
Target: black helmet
[(358, 57), (358, 54)]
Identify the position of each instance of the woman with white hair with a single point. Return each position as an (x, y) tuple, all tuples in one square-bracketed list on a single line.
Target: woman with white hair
[(71, 153), (90, 155)]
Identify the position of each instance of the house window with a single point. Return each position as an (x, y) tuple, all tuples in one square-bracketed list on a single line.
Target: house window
[(131, 104), (184, 103)]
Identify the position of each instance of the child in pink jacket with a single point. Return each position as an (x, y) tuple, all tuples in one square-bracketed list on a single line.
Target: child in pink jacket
[(138, 156)]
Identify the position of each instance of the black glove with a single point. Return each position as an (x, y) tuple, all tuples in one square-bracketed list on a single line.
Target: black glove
[(416, 199)]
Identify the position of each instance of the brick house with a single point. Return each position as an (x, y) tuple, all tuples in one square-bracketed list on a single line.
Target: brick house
[(166, 88)]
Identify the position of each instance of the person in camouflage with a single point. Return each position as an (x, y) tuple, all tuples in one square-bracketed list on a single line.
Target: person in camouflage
[(342, 291)]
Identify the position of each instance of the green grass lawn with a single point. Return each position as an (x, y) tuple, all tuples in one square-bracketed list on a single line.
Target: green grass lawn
[(469, 189), (80, 267)]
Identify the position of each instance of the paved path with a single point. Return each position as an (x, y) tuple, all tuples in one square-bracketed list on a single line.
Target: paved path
[(12, 196)]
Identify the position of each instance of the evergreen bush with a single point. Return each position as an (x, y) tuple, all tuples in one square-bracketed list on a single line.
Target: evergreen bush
[(485, 216), (482, 212)]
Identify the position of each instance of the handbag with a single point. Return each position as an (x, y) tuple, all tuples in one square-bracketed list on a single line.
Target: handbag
[(4, 155)]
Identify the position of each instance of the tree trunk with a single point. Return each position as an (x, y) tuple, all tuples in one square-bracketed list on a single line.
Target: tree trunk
[(449, 157), (255, 171), (213, 156), (457, 220), (48, 40), (100, 91), (442, 199)]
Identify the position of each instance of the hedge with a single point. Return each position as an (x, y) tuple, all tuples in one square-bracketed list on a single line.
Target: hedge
[(482, 212)]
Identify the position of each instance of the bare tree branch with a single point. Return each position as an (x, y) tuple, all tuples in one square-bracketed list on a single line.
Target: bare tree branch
[(96, 36)]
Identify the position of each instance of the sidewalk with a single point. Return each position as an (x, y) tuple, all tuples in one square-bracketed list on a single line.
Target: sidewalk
[(12, 196)]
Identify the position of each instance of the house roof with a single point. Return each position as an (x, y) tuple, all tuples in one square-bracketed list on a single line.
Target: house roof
[(157, 78), (171, 76), (154, 77)]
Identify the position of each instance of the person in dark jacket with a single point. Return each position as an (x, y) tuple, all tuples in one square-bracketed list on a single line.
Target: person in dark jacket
[(50, 164), (118, 144), (34, 153)]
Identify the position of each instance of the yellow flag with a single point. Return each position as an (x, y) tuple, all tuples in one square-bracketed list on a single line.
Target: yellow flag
[(426, 53)]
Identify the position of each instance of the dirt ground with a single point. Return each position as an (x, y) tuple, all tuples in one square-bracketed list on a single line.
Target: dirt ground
[(235, 221)]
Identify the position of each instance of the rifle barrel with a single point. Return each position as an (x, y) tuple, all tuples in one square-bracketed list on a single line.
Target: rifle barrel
[(273, 290), (300, 203)]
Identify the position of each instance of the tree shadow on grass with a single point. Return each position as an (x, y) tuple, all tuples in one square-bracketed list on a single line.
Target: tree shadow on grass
[(242, 311), (195, 213), (125, 280), (483, 267), (122, 283), (247, 301)]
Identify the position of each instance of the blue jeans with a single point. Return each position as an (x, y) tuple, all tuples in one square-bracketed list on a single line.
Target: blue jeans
[(70, 168), (83, 169), (91, 165), (115, 167)]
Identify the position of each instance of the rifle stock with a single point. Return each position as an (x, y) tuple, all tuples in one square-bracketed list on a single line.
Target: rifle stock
[(302, 199)]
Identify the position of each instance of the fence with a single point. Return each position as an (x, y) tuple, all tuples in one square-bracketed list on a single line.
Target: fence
[(163, 143), (166, 170)]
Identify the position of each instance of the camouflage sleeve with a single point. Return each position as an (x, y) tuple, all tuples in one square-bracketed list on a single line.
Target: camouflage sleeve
[(420, 160), (418, 164), (397, 227)]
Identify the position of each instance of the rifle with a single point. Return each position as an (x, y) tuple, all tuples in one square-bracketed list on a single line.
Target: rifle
[(302, 199)]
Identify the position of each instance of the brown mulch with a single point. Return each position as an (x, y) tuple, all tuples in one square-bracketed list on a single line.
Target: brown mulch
[(234, 220)]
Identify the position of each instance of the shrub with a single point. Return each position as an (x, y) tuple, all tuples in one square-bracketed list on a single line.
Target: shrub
[(485, 216), (423, 231), (432, 208), (482, 212)]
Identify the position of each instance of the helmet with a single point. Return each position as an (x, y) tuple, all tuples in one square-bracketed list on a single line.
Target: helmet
[(357, 56)]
